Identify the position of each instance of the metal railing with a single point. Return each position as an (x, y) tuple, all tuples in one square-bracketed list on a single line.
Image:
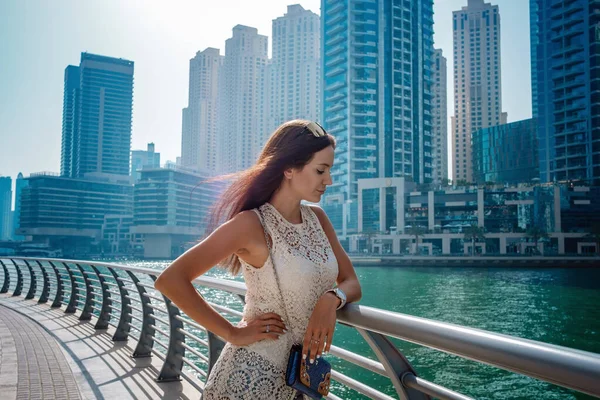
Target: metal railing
[(125, 298)]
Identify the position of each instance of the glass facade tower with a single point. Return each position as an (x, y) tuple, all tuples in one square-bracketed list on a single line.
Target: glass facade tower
[(565, 75), (377, 69), (97, 111)]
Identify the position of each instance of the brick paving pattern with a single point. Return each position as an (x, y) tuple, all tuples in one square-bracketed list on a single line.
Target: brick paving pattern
[(32, 364)]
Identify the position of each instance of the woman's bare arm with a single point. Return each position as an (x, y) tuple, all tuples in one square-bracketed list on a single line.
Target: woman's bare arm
[(175, 282)]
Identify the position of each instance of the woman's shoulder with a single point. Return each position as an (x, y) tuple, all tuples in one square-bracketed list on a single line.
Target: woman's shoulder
[(245, 221), (317, 210), (247, 216)]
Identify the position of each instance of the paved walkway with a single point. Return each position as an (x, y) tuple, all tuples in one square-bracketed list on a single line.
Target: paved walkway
[(47, 354), (32, 364)]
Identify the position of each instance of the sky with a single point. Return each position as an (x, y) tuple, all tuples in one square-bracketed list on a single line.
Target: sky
[(39, 38)]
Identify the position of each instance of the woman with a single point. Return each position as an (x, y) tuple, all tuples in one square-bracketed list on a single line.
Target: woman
[(264, 204)]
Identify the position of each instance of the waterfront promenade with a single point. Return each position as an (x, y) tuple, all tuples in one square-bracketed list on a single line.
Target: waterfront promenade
[(47, 354), (82, 329)]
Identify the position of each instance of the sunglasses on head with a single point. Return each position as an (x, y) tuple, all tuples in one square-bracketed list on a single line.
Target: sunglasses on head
[(316, 129)]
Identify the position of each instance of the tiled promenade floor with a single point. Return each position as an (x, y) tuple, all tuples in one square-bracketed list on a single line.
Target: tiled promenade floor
[(47, 354), (32, 364)]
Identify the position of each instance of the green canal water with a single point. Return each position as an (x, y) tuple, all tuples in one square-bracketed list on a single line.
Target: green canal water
[(559, 306)]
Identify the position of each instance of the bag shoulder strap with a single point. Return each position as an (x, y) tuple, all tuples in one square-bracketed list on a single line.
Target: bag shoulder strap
[(264, 226), (269, 240)]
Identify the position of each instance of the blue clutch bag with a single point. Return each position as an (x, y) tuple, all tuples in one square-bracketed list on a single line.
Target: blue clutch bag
[(310, 379)]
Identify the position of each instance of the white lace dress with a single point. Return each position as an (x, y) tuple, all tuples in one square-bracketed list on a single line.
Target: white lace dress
[(307, 268)]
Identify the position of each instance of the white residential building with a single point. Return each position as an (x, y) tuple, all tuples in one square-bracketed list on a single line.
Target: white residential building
[(477, 83), (242, 111), (293, 75), (199, 128)]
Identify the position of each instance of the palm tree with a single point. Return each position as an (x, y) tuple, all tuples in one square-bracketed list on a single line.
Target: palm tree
[(369, 235), (474, 234), (536, 233), (417, 231)]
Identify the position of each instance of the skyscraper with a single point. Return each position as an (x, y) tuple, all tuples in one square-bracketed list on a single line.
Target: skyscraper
[(477, 81), (440, 118), (565, 77), (293, 74), (199, 133), (376, 63), (5, 208), (20, 183), (97, 109), (70, 122), (242, 130)]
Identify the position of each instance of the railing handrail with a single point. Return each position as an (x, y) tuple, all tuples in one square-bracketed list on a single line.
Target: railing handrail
[(564, 366), (571, 368)]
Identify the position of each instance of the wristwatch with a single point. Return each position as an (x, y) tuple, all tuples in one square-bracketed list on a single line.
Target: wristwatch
[(339, 293)]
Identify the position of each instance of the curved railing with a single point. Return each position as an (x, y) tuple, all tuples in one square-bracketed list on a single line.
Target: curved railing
[(125, 298)]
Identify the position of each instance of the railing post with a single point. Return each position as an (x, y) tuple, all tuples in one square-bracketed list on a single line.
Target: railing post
[(173, 364), (394, 362), (46, 287), (58, 300), (124, 325), (146, 342), (72, 306), (32, 282), (86, 312), (19, 287), (104, 316), (6, 283)]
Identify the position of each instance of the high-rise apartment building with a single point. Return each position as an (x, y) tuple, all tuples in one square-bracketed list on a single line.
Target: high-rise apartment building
[(293, 75), (477, 80), (377, 68), (199, 128), (242, 102), (565, 77)]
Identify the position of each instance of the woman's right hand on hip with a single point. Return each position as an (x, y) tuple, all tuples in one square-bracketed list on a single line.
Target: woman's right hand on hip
[(267, 326)]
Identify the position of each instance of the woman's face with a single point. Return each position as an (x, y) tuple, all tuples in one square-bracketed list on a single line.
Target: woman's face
[(311, 181)]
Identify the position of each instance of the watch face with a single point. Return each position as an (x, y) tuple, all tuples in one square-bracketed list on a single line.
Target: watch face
[(340, 294)]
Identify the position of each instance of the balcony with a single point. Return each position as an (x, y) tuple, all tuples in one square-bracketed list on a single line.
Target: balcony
[(335, 71), (335, 50), (337, 96), (335, 29), (334, 20), (338, 106), (334, 86), (334, 119), (334, 61), (339, 6), (335, 40)]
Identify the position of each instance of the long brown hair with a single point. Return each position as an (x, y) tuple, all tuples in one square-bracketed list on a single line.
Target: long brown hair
[(292, 145)]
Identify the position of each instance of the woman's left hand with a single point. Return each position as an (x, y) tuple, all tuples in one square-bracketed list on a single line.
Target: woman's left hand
[(319, 333)]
